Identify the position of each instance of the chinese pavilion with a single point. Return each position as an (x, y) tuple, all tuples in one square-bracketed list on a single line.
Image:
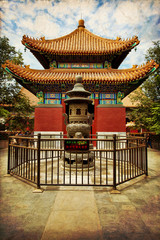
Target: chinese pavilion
[(97, 60)]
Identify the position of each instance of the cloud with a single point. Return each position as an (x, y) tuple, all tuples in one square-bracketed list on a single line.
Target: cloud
[(106, 18)]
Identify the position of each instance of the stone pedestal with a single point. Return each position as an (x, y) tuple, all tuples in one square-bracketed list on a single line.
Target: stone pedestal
[(78, 125), (79, 160)]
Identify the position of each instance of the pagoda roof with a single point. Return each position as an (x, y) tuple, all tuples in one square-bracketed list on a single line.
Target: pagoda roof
[(79, 42), (117, 77)]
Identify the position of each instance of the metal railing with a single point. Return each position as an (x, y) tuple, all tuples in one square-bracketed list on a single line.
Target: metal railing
[(43, 161)]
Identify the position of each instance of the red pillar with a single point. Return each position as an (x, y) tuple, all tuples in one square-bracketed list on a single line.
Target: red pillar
[(64, 111), (96, 102)]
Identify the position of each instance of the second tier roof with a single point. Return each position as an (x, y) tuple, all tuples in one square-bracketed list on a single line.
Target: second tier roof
[(50, 76)]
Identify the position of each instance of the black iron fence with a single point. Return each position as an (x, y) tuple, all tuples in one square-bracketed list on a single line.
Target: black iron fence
[(154, 138), (44, 160)]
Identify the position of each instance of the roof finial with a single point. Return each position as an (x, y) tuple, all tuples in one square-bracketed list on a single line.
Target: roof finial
[(81, 23)]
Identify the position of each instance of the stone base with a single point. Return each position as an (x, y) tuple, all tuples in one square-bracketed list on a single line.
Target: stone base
[(7, 175), (74, 159), (115, 191), (38, 190), (77, 166)]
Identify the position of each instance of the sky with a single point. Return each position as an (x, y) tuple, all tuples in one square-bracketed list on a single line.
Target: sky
[(105, 18)]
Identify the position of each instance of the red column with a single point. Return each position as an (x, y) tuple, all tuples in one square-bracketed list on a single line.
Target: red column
[(64, 111), (96, 102)]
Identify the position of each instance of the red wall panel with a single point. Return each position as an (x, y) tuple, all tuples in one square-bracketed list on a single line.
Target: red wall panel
[(48, 119), (106, 119), (110, 119)]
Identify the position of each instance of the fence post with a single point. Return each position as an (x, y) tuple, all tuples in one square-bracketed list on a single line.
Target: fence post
[(114, 161), (38, 160), (26, 150), (61, 143), (9, 154), (146, 155)]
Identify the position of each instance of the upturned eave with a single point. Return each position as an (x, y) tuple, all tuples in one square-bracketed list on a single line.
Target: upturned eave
[(81, 42), (126, 79)]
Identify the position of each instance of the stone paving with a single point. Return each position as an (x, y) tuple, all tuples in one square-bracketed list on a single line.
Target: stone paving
[(82, 213)]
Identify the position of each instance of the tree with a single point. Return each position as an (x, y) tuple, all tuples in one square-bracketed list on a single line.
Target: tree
[(142, 111), (151, 86), (4, 114), (19, 116), (8, 86), (154, 120), (147, 114)]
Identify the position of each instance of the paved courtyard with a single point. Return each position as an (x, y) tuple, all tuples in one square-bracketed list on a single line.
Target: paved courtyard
[(66, 213)]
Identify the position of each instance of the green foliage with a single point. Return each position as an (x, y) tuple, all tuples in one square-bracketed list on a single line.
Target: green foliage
[(151, 86), (147, 113), (21, 118), (154, 120), (142, 111), (8, 86), (4, 113), (22, 105), (154, 52), (3, 116)]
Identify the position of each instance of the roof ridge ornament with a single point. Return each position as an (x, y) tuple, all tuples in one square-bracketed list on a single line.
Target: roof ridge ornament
[(42, 39), (27, 66), (118, 38), (81, 23), (134, 66)]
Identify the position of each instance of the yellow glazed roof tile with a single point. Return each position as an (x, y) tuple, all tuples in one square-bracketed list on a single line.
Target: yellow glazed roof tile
[(80, 41), (52, 75)]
